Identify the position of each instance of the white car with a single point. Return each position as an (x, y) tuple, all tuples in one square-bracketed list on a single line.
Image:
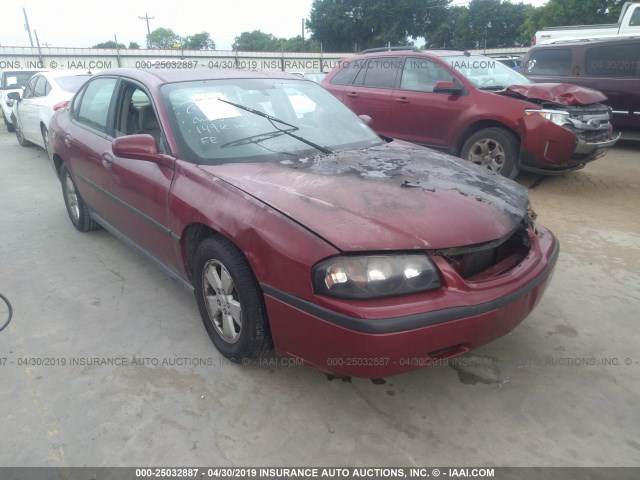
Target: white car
[(33, 111), (313, 76), (12, 81)]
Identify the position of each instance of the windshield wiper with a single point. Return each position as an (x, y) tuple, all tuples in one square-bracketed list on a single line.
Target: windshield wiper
[(286, 131)]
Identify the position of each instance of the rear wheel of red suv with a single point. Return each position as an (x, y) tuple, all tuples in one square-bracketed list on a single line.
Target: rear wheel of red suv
[(230, 301), (493, 148)]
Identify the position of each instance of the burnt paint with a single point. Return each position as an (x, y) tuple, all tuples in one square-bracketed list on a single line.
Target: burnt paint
[(392, 196)]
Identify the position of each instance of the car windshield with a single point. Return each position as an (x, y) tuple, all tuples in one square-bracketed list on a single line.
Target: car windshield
[(72, 83), (211, 130), (16, 79), (486, 73)]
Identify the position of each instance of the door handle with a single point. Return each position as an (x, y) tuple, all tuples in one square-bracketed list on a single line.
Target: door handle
[(402, 100), (107, 160), (352, 95)]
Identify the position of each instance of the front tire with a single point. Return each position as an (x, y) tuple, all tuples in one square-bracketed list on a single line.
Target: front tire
[(19, 135), (8, 125), (76, 208), (495, 149), (45, 137), (230, 301)]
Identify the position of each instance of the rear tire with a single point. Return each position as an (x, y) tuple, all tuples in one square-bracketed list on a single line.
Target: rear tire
[(495, 149), (230, 301), (76, 208)]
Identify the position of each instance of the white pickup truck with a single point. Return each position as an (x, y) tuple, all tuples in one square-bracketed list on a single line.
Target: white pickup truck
[(628, 24)]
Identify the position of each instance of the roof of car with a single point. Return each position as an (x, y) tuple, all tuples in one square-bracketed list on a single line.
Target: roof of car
[(443, 52), (171, 75), (588, 41)]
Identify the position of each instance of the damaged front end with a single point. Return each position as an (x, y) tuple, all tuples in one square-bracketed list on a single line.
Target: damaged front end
[(570, 127), (573, 135), (476, 263)]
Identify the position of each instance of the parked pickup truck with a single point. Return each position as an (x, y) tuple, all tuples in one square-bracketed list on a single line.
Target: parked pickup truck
[(628, 24)]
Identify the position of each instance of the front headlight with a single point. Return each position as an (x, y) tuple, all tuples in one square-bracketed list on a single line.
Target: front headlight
[(374, 276), (559, 117)]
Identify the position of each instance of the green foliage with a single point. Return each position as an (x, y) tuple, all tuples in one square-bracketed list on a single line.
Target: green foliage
[(163, 38), (483, 23), (258, 41), (109, 44), (255, 41), (353, 25), (199, 41), (134, 45)]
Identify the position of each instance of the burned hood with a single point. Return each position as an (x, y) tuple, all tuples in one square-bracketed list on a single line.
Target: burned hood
[(560, 93), (391, 197)]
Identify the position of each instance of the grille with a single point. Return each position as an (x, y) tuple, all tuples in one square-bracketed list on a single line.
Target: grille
[(475, 263)]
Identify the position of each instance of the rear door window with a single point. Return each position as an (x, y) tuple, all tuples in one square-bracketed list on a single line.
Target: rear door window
[(552, 61), (613, 60), (380, 73), (347, 74)]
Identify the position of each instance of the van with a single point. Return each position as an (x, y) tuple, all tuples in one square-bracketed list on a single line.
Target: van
[(611, 66)]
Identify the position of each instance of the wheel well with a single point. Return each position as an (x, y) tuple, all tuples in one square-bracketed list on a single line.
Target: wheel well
[(192, 236), (475, 127), (42, 127)]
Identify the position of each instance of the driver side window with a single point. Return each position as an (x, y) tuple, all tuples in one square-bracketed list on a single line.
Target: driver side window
[(28, 90), (136, 115), (421, 75)]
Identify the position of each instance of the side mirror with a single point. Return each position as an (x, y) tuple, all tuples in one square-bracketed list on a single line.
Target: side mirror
[(366, 119), (14, 96), (452, 88), (141, 147)]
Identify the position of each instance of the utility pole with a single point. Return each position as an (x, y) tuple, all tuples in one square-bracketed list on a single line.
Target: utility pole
[(39, 49), (303, 34), (115, 37), (147, 18), (26, 25)]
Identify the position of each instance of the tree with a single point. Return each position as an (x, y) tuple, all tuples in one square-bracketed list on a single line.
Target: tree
[(572, 12), (199, 41), (483, 23), (134, 45), (109, 44), (347, 25), (256, 41), (163, 38)]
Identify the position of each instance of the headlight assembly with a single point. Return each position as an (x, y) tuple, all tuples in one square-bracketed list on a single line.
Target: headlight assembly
[(374, 276), (559, 117)]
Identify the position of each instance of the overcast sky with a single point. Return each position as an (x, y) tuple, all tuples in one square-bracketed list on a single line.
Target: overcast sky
[(81, 23)]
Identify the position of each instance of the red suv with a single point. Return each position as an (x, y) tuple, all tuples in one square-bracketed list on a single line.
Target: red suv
[(476, 108)]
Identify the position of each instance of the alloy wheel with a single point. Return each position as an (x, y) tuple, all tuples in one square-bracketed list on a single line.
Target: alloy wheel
[(222, 302)]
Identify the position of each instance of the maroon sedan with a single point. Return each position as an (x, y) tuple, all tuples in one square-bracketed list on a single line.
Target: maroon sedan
[(297, 226)]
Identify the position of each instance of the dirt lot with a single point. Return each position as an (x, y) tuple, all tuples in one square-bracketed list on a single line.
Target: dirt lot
[(562, 389)]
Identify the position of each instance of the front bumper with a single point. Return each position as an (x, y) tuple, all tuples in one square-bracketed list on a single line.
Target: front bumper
[(465, 316), (548, 148)]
